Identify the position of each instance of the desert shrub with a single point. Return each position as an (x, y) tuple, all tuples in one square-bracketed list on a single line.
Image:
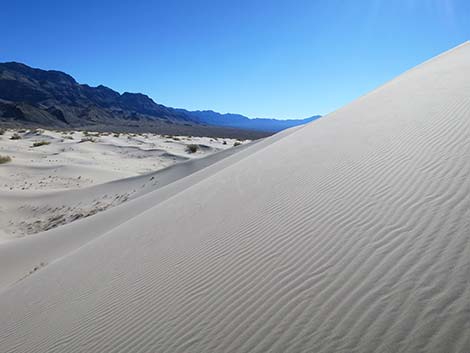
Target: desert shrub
[(40, 143), (15, 136), (224, 143), (237, 143), (117, 134), (192, 148), (2, 131), (5, 159), (87, 139)]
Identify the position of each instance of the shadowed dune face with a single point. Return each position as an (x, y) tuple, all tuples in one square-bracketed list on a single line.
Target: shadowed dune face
[(348, 235)]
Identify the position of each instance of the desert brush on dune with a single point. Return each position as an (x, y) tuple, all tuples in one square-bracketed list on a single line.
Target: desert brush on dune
[(349, 234)]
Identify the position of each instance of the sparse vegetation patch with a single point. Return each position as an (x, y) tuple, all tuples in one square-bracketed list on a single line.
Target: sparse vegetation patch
[(192, 148), (92, 134), (40, 143), (5, 159)]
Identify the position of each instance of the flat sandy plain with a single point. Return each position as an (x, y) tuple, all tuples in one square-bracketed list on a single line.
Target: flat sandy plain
[(350, 234)]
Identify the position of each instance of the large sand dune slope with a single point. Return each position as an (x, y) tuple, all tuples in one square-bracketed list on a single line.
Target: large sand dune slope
[(351, 234)]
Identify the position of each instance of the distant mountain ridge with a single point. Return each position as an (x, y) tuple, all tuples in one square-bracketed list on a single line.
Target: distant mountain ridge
[(243, 122), (30, 96)]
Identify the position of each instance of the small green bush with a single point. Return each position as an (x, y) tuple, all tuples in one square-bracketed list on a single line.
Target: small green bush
[(15, 136), (192, 148), (40, 143), (5, 159)]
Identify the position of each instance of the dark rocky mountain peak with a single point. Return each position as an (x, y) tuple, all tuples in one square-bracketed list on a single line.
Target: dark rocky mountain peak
[(50, 98)]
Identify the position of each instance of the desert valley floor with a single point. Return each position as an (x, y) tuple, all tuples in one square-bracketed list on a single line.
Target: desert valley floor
[(349, 234)]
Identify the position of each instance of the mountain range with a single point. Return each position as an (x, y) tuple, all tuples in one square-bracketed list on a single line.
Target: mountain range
[(54, 99)]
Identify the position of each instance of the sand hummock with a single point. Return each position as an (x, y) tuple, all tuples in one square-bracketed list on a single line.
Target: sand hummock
[(350, 234)]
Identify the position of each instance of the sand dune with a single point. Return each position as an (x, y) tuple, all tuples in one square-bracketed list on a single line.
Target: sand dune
[(351, 234), (76, 159), (67, 179), (18, 258)]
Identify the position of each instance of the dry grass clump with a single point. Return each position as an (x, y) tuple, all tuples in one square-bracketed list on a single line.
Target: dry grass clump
[(15, 136), (40, 143), (192, 148), (5, 159)]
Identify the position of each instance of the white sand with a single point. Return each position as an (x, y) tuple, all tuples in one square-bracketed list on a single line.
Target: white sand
[(39, 186), (68, 163), (351, 234)]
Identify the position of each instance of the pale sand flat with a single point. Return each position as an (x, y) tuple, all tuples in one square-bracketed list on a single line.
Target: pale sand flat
[(351, 234)]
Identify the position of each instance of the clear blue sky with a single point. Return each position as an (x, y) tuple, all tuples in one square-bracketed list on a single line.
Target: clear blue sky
[(272, 58)]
